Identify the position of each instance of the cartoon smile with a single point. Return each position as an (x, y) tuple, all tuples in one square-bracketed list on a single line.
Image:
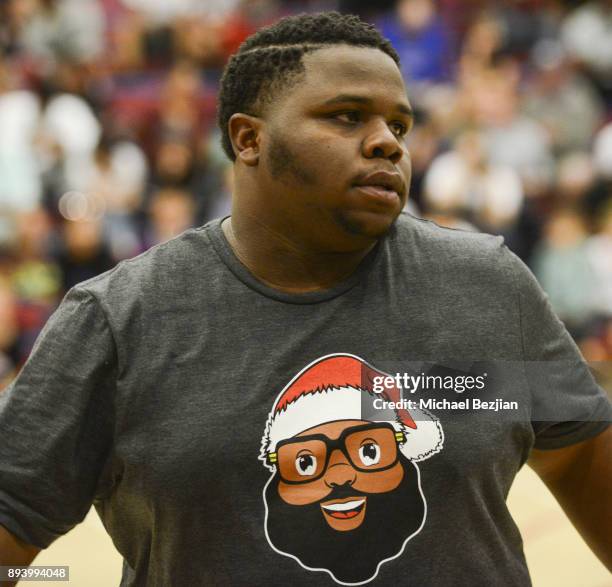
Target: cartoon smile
[(345, 514)]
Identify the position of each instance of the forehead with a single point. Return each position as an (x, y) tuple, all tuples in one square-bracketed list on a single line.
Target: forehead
[(343, 69)]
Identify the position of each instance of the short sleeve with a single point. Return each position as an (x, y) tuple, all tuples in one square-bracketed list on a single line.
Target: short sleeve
[(56, 423), (567, 404)]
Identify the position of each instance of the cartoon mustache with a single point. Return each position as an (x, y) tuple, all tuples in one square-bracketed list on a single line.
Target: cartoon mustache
[(340, 492)]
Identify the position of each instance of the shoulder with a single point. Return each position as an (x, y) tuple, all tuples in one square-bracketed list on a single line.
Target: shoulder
[(443, 246), (167, 270), (454, 257)]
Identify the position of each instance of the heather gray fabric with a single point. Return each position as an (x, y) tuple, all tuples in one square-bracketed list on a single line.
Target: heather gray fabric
[(149, 390)]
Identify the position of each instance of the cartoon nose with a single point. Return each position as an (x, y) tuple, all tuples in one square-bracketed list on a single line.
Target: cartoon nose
[(382, 143), (339, 470)]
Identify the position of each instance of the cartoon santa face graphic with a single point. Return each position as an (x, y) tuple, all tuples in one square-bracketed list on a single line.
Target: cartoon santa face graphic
[(345, 495)]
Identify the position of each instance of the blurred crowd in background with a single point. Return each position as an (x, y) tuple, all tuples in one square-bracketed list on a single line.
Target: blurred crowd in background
[(108, 142)]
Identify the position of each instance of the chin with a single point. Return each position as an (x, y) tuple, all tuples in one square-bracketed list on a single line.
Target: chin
[(371, 225)]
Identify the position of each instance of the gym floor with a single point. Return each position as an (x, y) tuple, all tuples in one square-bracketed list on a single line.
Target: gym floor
[(556, 554)]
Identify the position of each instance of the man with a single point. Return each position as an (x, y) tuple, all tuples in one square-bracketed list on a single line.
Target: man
[(147, 391)]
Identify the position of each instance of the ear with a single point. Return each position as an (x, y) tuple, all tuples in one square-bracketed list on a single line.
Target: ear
[(245, 133)]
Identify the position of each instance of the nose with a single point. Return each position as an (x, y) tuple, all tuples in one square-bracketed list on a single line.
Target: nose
[(339, 471), (382, 143)]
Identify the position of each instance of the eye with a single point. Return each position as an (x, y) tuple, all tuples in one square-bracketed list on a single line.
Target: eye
[(399, 129), (306, 464), (350, 116), (369, 453)]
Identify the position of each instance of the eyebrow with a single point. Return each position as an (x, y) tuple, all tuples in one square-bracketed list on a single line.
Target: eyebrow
[(344, 98)]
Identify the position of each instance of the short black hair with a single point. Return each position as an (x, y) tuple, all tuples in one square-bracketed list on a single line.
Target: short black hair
[(271, 59)]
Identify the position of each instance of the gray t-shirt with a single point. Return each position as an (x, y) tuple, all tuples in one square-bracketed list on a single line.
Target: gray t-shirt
[(215, 422)]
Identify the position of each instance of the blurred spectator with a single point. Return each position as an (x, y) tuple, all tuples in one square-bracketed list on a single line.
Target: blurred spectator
[(482, 42), (68, 121), (220, 201), (422, 41), (35, 277), (249, 15), (182, 112), (559, 264), (463, 182), (9, 333), (10, 21), (200, 41), (114, 184), (424, 143), (524, 23), (214, 181), (597, 349), (602, 152), (171, 213), (20, 182), (116, 176), (491, 101), (600, 196), (366, 9), (174, 164), (179, 115), (69, 29), (83, 254), (575, 178), (599, 256), (164, 12), (587, 35), (561, 100)]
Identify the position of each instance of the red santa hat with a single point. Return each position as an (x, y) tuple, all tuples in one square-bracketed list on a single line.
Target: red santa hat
[(333, 388)]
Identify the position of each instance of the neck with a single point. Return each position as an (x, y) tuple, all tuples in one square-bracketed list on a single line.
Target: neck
[(280, 261)]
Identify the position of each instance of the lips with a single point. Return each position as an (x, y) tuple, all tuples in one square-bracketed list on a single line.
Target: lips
[(344, 510), (382, 182)]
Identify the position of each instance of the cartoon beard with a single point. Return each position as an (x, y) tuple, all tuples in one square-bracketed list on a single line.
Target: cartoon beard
[(352, 556)]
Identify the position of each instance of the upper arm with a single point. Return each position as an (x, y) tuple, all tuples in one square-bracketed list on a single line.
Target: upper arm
[(570, 415), (13, 551), (56, 424), (552, 466), (580, 478), (567, 405)]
